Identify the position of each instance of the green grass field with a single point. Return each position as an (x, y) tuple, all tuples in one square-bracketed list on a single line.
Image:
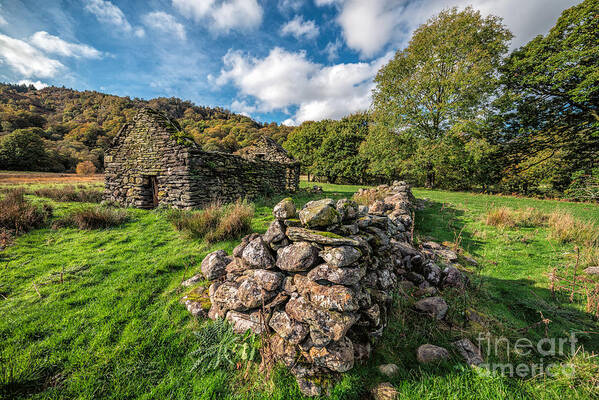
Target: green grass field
[(114, 326)]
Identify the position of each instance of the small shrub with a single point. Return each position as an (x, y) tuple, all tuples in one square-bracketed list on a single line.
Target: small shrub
[(93, 217), (86, 168), (70, 193), (214, 223), (19, 215), (220, 348)]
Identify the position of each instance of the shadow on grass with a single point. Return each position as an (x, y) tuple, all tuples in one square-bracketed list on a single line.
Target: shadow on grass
[(513, 314), (516, 305), (445, 224)]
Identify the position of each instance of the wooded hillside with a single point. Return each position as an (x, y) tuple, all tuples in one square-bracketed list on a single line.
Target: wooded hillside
[(67, 126)]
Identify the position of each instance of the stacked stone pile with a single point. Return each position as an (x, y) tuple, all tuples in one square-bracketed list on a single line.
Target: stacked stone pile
[(319, 282)]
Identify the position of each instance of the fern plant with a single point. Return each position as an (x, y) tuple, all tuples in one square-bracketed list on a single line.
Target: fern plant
[(221, 348)]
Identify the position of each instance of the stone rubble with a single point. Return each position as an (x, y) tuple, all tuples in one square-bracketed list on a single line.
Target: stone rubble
[(319, 282)]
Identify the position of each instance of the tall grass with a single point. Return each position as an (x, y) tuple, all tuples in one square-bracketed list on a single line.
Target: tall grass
[(215, 222), (509, 218), (562, 226), (70, 193), (565, 228), (19, 215), (92, 217)]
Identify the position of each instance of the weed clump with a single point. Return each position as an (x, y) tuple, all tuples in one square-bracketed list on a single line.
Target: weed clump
[(70, 193), (567, 229), (509, 218), (501, 217), (220, 348), (92, 217), (216, 222), (19, 215), (562, 226)]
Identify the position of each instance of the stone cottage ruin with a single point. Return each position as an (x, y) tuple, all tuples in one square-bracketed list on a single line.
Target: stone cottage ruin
[(152, 162)]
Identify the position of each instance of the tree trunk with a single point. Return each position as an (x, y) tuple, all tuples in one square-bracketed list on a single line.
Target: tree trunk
[(430, 177)]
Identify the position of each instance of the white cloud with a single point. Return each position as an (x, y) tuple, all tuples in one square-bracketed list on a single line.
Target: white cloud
[(332, 49), (3, 21), (367, 25), (53, 44), (298, 28), (38, 84), (286, 6), (108, 13), (164, 22), (371, 26), (222, 16), (243, 107), (26, 59), (327, 2), (285, 79)]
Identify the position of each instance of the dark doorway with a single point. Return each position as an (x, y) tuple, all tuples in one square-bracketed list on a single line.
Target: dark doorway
[(154, 186)]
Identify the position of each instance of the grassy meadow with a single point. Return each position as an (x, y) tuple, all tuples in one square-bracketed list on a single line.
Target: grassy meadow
[(97, 313)]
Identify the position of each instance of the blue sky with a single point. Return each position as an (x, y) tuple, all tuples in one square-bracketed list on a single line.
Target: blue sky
[(275, 60)]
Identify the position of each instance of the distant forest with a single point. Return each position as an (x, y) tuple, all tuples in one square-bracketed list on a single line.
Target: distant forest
[(54, 129)]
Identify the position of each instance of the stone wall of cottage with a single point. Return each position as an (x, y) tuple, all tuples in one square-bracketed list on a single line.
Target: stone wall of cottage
[(151, 148)]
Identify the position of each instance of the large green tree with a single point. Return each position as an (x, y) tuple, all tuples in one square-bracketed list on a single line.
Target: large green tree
[(24, 150), (548, 123), (330, 149), (303, 143), (446, 75), (338, 158)]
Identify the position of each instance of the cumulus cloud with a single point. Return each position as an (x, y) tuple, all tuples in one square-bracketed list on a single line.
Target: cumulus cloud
[(26, 59), (37, 84), (222, 16), (109, 14), (298, 28), (367, 26), (243, 108), (332, 49), (165, 23), (53, 44), (286, 6), (327, 2), (370, 27), (286, 79)]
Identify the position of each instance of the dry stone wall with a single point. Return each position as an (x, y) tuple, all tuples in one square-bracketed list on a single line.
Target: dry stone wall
[(319, 282), (151, 162)]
